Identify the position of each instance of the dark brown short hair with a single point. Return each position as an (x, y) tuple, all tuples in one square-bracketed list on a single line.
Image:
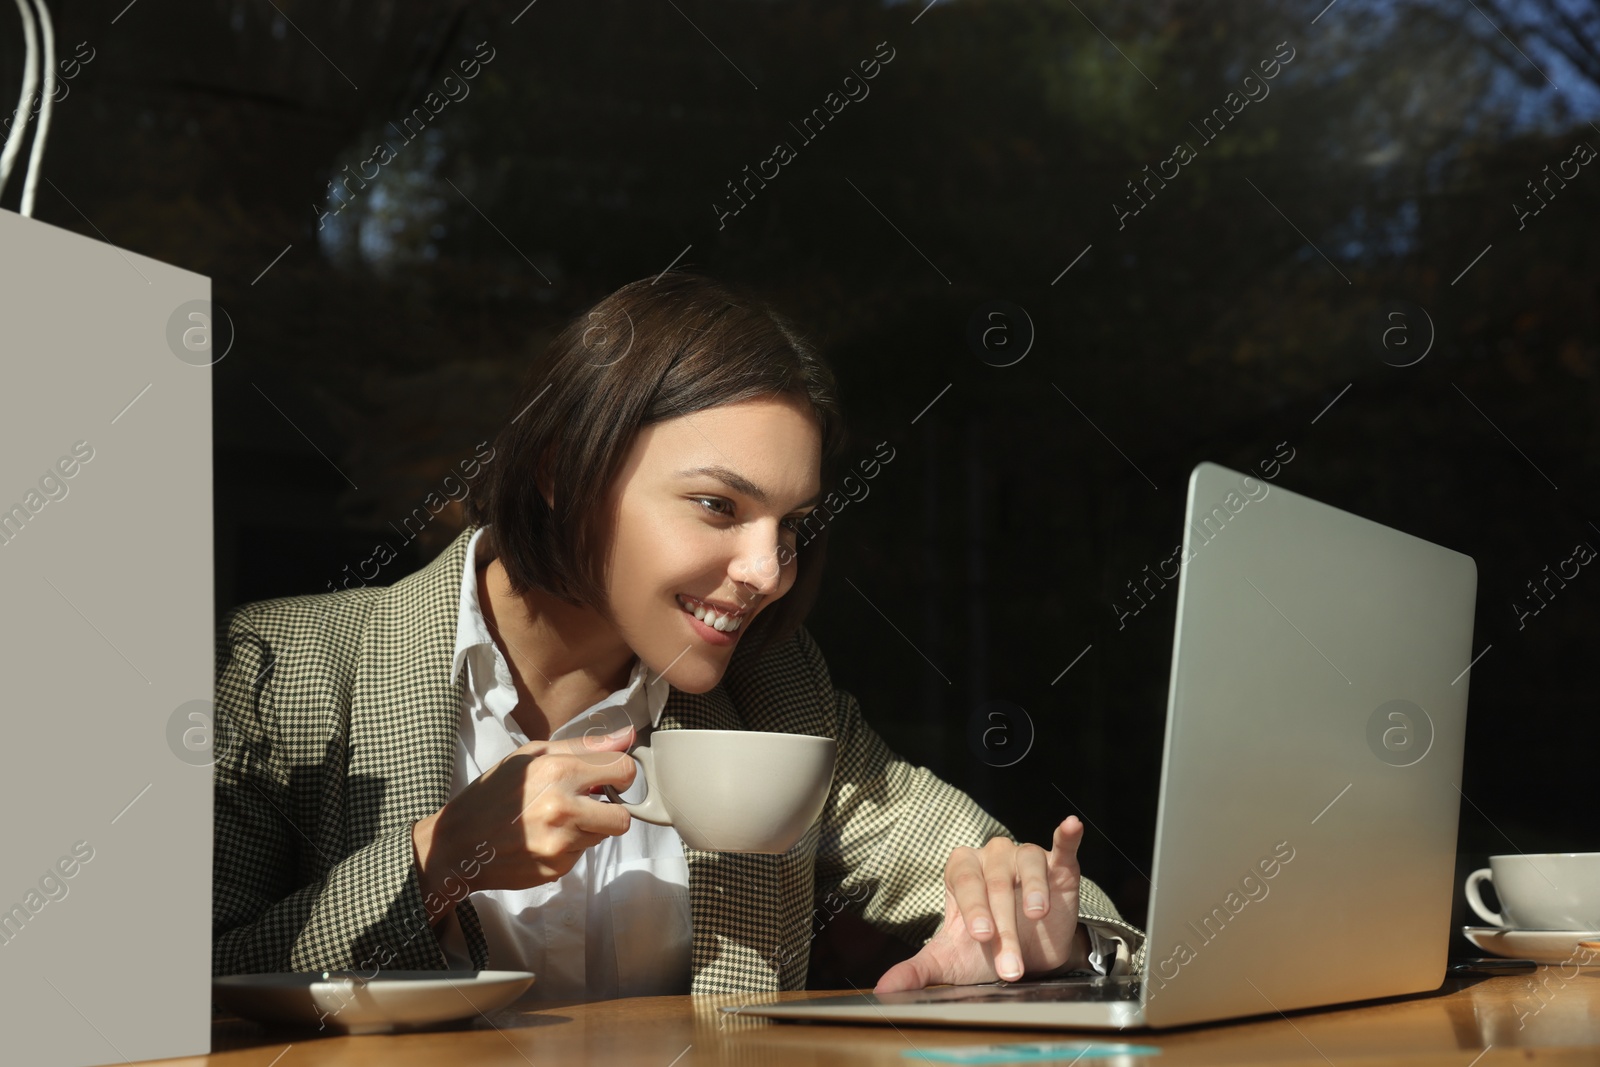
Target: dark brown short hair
[(653, 350)]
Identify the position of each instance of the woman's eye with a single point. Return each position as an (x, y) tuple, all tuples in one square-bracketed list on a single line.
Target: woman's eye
[(724, 509)]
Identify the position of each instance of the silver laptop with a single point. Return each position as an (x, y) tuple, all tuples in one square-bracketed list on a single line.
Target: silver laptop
[(1306, 828)]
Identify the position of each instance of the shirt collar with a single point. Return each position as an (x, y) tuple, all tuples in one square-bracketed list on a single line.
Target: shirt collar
[(643, 698), (471, 629)]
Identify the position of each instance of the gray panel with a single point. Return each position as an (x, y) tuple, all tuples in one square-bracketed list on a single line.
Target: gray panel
[(1298, 625), (106, 582)]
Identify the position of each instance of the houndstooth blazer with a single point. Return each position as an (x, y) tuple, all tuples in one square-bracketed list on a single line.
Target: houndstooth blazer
[(336, 721)]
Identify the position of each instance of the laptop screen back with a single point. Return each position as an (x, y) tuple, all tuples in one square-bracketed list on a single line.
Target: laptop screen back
[(1305, 847)]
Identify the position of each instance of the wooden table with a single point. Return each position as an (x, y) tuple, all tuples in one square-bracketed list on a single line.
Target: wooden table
[(1534, 1018)]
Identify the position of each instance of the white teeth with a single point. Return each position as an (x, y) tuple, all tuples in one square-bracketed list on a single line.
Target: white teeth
[(709, 616)]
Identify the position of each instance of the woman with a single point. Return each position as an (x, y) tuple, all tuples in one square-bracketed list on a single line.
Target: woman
[(406, 773)]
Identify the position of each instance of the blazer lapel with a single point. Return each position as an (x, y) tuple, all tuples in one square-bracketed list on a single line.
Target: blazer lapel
[(735, 915), (405, 710)]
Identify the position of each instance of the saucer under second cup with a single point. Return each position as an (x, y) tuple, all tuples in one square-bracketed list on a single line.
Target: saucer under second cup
[(1541, 946)]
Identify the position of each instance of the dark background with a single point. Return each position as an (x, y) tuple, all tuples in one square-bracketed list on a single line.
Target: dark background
[(370, 353)]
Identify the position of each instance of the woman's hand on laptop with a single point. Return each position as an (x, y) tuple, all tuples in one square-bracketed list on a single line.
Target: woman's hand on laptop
[(1009, 910)]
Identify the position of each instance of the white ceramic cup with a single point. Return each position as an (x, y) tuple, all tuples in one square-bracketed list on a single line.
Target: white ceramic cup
[(733, 790), (1546, 891)]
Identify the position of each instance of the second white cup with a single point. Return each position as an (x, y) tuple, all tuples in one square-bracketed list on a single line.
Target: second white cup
[(1546, 891)]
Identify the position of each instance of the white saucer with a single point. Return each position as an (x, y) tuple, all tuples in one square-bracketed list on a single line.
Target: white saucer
[(1541, 946), (347, 1003)]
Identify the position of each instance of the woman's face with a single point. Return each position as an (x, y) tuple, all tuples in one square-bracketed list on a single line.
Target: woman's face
[(706, 508)]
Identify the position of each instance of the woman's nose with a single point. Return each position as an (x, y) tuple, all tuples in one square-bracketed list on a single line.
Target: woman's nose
[(760, 565)]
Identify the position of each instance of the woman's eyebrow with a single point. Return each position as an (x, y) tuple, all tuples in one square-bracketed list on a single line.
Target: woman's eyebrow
[(739, 483)]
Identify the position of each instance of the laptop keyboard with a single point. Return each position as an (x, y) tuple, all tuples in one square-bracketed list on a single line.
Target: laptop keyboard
[(1070, 990)]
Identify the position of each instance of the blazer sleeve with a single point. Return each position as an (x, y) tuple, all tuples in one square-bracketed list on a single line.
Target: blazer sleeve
[(279, 901), (889, 826)]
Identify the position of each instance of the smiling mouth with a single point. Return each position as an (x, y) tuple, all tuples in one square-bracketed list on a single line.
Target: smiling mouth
[(719, 619)]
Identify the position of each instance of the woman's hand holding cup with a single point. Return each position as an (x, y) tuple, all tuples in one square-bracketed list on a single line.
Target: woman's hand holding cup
[(532, 813)]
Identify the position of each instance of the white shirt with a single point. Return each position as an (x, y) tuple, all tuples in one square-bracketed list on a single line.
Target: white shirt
[(617, 924)]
